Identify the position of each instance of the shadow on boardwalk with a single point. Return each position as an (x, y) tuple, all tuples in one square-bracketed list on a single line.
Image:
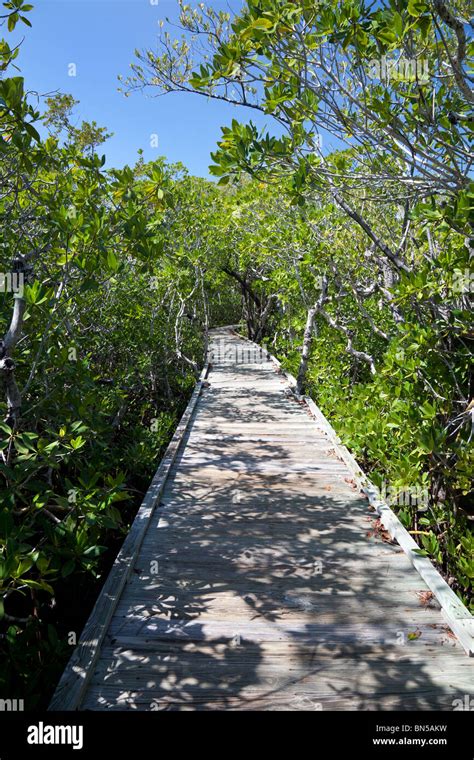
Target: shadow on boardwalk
[(269, 595), (261, 583)]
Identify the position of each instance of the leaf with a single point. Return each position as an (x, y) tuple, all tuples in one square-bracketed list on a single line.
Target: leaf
[(21, 447), (40, 585), (94, 551), (386, 35), (32, 131), (6, 428), (397, 24), (68, 568), (112, 261), (77, 443), (23, 566), (261, 23), (12, 21), (416, 7)]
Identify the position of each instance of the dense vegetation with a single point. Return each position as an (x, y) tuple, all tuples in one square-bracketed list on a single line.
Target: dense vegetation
[(353, 266)]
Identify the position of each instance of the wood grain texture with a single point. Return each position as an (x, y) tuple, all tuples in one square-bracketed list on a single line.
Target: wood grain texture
[(260, 581)]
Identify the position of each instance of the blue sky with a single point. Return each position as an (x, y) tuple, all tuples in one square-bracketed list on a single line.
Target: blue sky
[(99, 37)]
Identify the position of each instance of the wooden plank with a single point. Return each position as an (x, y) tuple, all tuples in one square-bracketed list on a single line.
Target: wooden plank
[(219, 672), (296, 632), (424, 698), (299, 639)]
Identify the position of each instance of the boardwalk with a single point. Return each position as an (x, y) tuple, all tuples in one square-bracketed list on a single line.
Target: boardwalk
[(260, 584)]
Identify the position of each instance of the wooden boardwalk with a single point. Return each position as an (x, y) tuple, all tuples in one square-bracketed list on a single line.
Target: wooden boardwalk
[(259, 583)]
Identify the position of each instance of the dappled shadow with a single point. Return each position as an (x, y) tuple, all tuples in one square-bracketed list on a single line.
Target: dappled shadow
[(262, 584)]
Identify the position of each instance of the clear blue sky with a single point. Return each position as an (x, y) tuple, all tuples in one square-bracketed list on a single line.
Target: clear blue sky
[(100, 37)]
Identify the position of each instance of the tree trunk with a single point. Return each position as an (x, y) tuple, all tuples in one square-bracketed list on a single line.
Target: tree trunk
[(308, 336), (7, 365), (307, 341)]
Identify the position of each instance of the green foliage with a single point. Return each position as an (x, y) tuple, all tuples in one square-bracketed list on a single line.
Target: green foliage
[(87, 137), (365, 294)]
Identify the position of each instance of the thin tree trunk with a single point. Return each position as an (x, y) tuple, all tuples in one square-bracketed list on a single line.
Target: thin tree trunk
[(308, 337), (7, 365)]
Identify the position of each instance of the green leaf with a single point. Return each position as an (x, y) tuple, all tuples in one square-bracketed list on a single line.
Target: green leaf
[(39, 585), (12, 21), (95, 551), (416, 7), (31, 130), (112, 261), (261, 23), (77, 443), (68, 568)]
